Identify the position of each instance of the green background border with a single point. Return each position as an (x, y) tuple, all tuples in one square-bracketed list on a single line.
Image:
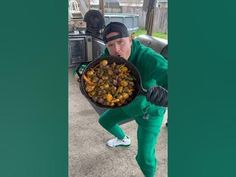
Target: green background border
[(34, 92), (202, 120)]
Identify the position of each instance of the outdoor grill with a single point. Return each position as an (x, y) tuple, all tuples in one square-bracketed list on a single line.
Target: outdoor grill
[(86, 44), (83, 48)]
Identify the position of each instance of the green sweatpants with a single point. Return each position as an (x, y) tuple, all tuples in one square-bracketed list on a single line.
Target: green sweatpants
[(147, 134)]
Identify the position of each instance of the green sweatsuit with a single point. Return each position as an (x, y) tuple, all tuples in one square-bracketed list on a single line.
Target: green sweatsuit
[(153, 71)]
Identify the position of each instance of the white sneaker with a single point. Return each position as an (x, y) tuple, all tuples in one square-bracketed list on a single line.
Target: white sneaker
[(117, 142)]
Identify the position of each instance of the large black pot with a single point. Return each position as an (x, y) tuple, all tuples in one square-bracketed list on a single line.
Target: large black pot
[(139, 90)]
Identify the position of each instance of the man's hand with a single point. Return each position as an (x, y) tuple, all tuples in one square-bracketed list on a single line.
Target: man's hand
[(79, 70), (158, 96)]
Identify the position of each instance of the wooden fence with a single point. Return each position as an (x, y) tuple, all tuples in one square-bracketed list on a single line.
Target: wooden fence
[(160, 18)]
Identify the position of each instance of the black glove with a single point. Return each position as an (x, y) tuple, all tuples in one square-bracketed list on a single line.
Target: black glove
[(158, 96)]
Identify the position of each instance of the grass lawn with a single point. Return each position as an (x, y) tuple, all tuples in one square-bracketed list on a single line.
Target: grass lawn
[(155, 34)]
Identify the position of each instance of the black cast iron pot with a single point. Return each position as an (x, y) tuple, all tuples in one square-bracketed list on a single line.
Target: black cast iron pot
[(139, 90)]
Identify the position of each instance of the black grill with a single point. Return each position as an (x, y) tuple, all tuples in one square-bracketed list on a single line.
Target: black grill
[(83, 48)]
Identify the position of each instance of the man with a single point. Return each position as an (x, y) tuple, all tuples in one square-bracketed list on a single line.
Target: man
[(153, 71)]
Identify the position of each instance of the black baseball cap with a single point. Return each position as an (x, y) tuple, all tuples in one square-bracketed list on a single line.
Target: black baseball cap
[(115, 27)]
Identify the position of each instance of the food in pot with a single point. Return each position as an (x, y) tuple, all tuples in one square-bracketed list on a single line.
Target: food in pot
[(109, 84)]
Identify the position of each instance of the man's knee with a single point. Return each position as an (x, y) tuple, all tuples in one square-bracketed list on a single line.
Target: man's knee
[(101, 121), (105, 123), (147, 163)]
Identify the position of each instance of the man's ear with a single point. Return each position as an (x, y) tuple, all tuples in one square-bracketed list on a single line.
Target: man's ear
[(130, 39), (132, 36)]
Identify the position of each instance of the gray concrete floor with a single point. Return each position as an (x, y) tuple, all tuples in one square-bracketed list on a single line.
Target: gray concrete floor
[(88, 154)]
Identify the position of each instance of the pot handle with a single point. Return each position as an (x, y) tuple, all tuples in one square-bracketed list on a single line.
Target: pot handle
[(143, 91)]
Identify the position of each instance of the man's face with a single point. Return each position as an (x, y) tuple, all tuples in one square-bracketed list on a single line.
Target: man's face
[(119, 47)]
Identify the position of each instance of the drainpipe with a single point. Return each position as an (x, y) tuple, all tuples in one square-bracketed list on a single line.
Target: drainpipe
[(101, 6)]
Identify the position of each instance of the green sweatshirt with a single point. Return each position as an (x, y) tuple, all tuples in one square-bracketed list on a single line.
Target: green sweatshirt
[(153, 70)]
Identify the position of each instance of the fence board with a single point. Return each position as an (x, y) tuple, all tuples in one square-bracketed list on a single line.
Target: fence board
[(160, 17)]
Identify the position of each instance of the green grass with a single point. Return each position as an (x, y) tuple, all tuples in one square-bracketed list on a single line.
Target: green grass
[(141, 31)]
